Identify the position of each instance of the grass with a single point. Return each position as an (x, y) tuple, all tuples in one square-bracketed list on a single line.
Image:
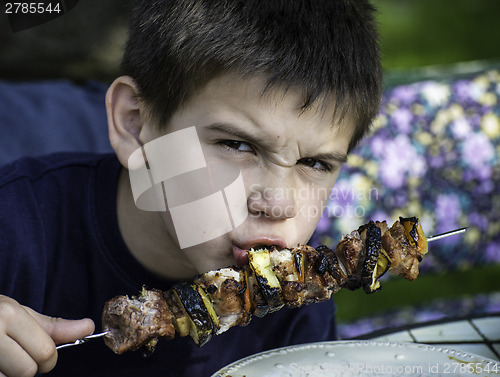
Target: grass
[(397, 293)]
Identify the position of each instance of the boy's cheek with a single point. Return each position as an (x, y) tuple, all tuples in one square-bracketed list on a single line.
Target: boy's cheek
[(310, 213)]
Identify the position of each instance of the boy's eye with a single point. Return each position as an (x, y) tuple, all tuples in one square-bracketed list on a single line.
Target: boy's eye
[(315, 164), (238, 146)]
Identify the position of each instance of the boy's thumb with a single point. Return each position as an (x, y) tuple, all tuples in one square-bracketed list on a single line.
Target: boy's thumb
[(63, 330)]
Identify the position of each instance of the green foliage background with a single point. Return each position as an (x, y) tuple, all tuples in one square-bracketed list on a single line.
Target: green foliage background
[(438, 32)]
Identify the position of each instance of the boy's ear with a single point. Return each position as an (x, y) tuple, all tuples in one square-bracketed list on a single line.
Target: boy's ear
[(124, 117)]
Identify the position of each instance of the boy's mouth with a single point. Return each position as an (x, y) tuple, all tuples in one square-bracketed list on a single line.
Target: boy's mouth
[(240, 253), (240, 256)]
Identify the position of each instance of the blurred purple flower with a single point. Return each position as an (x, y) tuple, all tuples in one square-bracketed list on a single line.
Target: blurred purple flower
[(402, 118), (405, 94), (400, 158), (483, 172), (392, 177), (436, 161), (342, 194), (463, 90), (377, 145), (478, 220), (485, 187), (475, 119), (324, 222), (400, 199), (477, 150), (493, 252), (447, 213)]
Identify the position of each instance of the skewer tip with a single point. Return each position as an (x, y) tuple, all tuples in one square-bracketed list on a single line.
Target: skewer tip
[(446, 234)]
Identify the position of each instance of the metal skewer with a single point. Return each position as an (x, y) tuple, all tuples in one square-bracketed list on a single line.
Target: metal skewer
[(446, 234), (81, 341)]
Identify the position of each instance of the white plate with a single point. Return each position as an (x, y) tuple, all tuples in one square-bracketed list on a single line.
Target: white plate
[(361, 358)]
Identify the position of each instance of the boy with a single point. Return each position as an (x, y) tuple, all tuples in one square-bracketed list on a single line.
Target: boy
[(278, 91)]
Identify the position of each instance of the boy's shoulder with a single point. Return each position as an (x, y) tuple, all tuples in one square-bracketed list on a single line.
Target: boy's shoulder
[(56, 164)]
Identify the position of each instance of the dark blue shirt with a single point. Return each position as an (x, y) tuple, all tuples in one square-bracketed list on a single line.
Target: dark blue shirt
[(62, 254)]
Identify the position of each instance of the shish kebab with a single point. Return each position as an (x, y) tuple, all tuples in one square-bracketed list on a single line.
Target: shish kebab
[(217, 300)]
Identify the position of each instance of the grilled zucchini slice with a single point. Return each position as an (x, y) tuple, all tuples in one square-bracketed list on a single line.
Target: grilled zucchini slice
[(208, 304), (201, 325), (258, 303), (373, 242), (372, 236), (260, 263), (181, 319)]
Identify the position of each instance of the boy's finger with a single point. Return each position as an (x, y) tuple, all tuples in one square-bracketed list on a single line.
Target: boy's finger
[(63, 330), (33, 338), (14, 361)]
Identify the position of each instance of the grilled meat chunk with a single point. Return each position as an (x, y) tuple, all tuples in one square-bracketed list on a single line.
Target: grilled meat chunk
[(136, 321), (319, 282), (403, 255), (225, 288), (288, 267), (351, 254)]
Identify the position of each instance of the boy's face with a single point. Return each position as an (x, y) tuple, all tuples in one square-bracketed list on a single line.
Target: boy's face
[(289, 161)]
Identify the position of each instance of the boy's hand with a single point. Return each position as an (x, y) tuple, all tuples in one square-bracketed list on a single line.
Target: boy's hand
[(28, 339)]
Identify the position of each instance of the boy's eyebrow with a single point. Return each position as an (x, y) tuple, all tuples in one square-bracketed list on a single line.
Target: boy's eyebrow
[(333, 156), (229, 129), (242, 134)]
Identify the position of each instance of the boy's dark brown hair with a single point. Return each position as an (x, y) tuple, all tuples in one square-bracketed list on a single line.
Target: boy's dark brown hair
[(325, 48)]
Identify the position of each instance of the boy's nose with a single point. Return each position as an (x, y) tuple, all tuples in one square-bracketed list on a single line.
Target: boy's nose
[(275, 203)]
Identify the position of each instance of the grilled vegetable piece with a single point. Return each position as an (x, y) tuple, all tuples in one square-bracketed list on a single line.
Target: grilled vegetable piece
[(260, 263), (201, 324), (372, 236), (414, 233), (208, 304), (136, 321), (181, 320), (383, 261), (258, 303)]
